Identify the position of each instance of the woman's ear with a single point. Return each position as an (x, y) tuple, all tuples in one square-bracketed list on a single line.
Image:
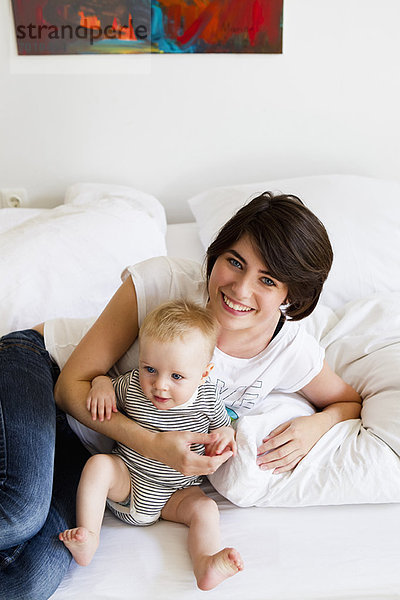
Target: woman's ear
[(207, 371)]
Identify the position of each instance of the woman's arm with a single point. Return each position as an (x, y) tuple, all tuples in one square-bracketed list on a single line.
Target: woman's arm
[(337, 399), (290, 442), (109, 338)]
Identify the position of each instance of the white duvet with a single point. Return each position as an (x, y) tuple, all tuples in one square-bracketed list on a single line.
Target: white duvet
[(66, 261), (356, 461)]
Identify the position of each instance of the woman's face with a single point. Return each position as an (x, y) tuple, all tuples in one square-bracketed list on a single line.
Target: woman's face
[(243, 295)]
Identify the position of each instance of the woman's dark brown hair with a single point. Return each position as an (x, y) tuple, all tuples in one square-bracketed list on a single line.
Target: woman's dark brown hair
[(292, 242)]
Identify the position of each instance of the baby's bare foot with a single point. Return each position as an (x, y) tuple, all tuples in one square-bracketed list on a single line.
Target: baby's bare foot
[(215, 569), (82, 544)]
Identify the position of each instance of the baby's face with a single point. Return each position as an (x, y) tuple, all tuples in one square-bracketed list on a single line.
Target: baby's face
[(170, 372)]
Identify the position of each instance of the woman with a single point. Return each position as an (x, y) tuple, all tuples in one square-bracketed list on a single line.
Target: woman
[(265, 272)]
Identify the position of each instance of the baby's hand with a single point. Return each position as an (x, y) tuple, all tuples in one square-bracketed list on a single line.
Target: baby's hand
[(101, 398), (225, 441)]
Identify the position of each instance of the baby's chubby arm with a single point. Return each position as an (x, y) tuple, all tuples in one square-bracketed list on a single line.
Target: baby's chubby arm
[(101, 401), (224, 441)]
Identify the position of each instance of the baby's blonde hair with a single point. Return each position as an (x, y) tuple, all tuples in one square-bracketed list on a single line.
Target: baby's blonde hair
[(174, 319)]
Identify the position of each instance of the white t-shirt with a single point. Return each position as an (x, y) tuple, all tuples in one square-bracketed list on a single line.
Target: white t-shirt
[(290, 361)]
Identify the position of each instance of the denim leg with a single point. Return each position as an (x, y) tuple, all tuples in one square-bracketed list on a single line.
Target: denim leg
[(27, 434), (34, 507)]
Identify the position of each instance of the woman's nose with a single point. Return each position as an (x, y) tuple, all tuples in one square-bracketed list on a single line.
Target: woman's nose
[(242, 288)]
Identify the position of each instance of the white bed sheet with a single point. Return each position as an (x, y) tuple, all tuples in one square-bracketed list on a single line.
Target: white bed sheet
[(325, 552), (340, 552)]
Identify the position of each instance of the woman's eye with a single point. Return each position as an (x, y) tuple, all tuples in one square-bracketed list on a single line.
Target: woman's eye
[(150, 369), (235, 263), (176, 376), (268, 281)]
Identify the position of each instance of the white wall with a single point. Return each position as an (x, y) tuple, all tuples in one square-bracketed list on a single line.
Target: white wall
[(328, 104)]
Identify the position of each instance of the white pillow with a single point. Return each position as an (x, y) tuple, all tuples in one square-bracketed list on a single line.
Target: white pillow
[(67, 261), (82, 193), (361, 215)]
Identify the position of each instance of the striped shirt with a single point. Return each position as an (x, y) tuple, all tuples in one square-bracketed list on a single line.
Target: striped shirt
[(202, 413)]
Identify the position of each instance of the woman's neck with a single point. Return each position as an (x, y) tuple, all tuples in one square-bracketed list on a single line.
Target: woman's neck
[(246, 344)]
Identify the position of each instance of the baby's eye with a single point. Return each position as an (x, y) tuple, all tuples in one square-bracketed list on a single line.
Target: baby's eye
[(176, 376), (268, 281), (235, 263), (150, 369)]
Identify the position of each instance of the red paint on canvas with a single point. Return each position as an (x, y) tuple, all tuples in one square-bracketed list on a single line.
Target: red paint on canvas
[(215, 26), (219, 21)]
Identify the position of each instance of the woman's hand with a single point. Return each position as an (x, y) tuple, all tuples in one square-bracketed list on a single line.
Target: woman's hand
[(286, 445), (101, 400), (225, 440), (173, 449)]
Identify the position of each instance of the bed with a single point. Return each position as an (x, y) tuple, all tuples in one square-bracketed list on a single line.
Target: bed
[(328, 530)]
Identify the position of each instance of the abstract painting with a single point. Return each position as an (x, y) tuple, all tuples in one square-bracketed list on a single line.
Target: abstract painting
[(244, 26), (148, 26)]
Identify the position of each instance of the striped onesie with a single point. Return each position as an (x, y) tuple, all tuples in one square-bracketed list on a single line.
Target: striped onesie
[(152, 482)]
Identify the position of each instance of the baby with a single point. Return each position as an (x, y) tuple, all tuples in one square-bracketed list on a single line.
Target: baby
[(167, 392)]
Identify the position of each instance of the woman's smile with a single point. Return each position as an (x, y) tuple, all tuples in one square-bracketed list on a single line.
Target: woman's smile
[(233, 306)]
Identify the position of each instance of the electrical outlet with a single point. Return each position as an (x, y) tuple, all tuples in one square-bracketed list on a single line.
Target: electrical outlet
[(13, 197)]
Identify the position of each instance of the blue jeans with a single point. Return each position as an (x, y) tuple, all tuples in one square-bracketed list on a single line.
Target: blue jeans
[(40, 464)]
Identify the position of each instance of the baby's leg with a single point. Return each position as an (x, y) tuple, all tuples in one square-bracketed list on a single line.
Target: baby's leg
[(194, 509), (104, 476)]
